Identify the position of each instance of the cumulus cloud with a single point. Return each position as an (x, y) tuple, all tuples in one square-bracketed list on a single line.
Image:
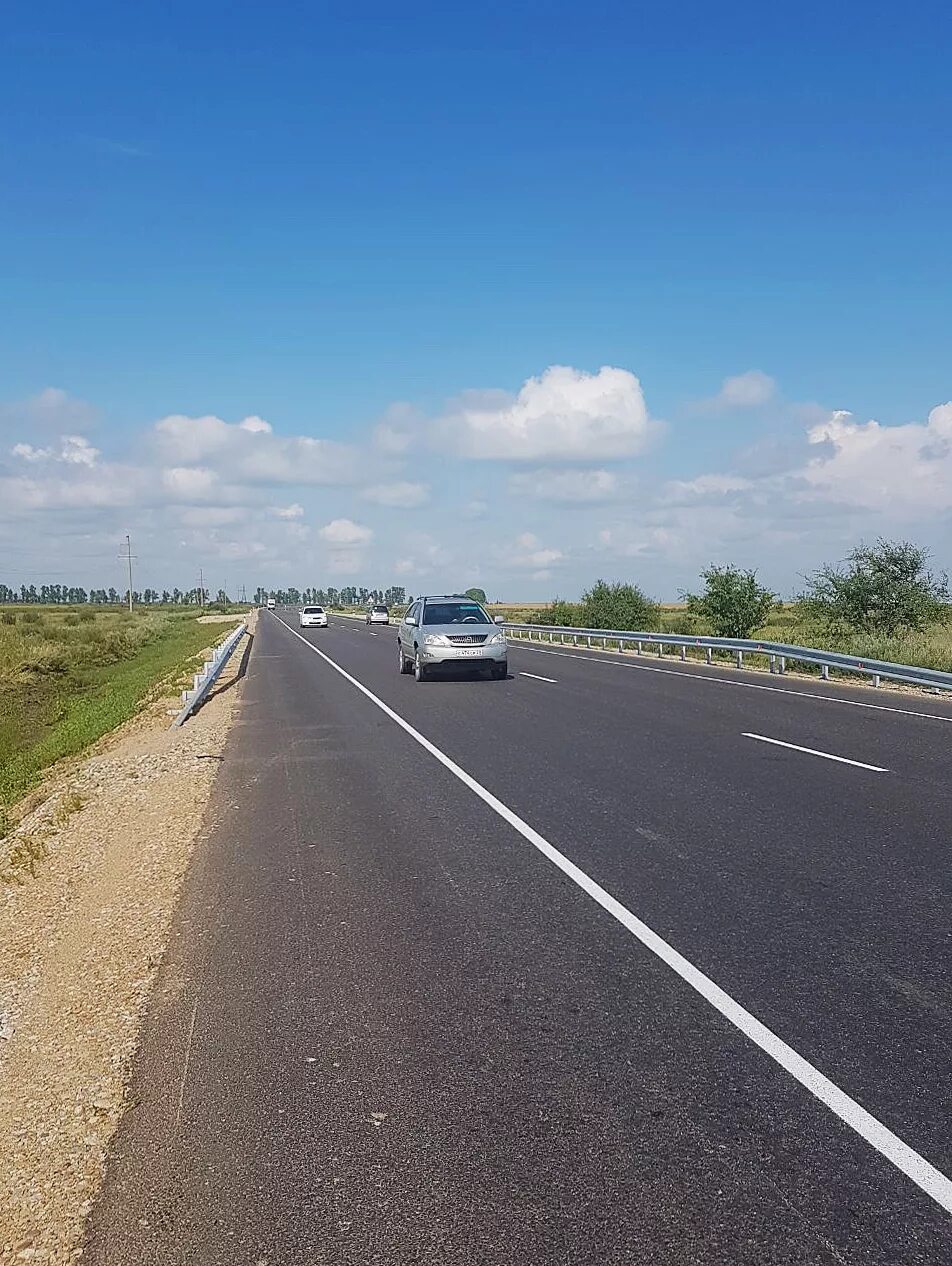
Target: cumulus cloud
[(565, 414), (73, 450), (250, 452), (905, 468), (579, 486), (51, 411), (746, 391), (293, 511), (399, 495), (345, 532), (528, 551)]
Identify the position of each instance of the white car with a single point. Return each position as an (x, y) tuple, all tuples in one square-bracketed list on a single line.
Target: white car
[(312, 618), (270, 604)]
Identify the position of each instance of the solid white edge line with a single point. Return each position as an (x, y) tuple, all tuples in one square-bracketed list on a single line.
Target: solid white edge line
[(889, 1145), (536, 677), (615, 660), (812, 751)]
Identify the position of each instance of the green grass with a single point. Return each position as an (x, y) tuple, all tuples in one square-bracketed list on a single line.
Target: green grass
[(66, 682), (929, 649)]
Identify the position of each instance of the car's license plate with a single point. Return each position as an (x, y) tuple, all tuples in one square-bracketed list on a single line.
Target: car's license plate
[(471, 650)]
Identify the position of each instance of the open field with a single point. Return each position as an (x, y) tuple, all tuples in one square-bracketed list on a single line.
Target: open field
[(70, 675), (929, 649)]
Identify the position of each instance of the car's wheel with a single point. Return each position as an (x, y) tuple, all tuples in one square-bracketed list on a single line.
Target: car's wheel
[(419, 669), (501, 671), (402, 660)]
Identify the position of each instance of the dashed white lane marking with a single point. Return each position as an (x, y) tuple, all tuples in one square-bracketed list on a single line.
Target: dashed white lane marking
[(889, 1145), (617, 662), (812, 751), (536, 677)]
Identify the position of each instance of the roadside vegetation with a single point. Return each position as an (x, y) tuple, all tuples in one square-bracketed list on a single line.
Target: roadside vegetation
[(68, 675), (882, 602)]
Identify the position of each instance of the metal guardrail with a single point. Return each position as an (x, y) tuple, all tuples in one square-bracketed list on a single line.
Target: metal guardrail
[(203, 681), (778, 653)]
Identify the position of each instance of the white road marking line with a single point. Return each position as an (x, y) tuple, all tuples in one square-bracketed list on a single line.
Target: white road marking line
[(536, 677), (889, 1145), (372, 633), (812, 751), (616, 662)]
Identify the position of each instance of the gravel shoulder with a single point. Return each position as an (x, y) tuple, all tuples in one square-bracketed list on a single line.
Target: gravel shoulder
[(83, 927)]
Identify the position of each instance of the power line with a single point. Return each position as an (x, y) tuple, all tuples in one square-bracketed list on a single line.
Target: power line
[(129, 556)]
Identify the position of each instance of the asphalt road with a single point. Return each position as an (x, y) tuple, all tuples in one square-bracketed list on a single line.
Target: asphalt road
[(392, 1028)]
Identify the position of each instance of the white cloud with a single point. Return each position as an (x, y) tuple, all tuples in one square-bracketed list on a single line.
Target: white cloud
[(249, 452), (74, 450), (212, 516), (345, 532), (529, 551), (397, 429), (51, 411), (187, 482), (580, 486), (746, 391), (563, 415), (892, 469), (293, 511), (400, 495), (256, 425)]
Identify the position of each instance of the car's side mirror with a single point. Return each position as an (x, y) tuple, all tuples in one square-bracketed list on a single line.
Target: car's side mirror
[(500, 619), (409, 620)]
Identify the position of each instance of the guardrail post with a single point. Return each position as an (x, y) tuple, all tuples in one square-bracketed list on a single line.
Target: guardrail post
[(740, 658), (708, 655), (783, 664), (639, 648), (589, 643), (660, 650), (825, 672), (773, 663), (875, 679)]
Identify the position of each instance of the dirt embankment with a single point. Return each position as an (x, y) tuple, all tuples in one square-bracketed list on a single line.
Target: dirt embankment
[(84, 920)]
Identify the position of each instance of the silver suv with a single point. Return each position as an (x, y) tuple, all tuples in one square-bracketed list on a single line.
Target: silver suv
[(451, 631)]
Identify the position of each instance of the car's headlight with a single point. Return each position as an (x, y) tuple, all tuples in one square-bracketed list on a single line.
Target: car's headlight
[(495, 638), (435, 639)]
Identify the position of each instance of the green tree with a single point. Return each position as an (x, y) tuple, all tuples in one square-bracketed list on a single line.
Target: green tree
[(617, 606), (883, 588), (477, 595), (732, 602)]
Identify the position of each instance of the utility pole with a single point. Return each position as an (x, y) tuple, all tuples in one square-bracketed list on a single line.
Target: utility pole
[(201, 589), (129, 556)]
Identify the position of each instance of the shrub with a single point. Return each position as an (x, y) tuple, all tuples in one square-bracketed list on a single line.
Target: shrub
[(8, 618), (617, 606), (885, 588), (30, 617), (477, 595), (565, 614), (732, 602)]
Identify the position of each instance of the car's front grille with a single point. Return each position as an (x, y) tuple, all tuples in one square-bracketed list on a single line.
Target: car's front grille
[(467, 639)]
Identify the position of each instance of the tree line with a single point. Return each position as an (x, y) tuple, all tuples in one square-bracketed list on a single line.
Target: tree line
[(69, 595), (349, 596)]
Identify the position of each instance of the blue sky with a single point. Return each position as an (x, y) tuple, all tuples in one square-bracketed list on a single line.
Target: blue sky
[(310, 215)]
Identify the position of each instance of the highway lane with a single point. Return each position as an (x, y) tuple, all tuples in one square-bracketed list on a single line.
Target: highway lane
[(389, 1031), (818, 894)]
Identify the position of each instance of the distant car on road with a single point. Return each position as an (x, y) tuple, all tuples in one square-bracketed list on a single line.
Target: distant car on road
[(270, 604), (451, 631), (312, 618), (377, 614)]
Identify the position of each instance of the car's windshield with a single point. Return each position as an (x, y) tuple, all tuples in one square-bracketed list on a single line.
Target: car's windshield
[(380, 610), (454, 613), (313, 610)]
